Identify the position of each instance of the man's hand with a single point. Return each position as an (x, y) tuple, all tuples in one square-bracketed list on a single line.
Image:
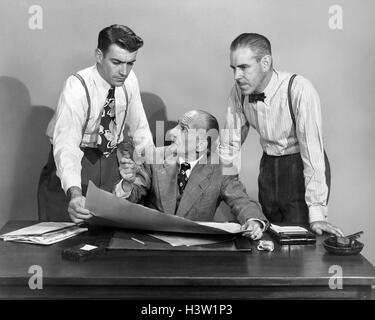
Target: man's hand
[(252, 229), (76, 209), (319, 226), (128, 169)]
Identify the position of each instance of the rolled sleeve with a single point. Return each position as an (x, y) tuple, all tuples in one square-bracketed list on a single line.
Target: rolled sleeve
[(310, 138), (69, 119)]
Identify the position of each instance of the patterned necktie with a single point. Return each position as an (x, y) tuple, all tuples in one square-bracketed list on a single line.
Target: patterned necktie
[(254, 97), (107, 130), (182, 177)]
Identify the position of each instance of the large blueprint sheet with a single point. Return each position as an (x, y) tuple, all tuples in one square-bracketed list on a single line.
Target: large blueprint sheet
[(109, 210)]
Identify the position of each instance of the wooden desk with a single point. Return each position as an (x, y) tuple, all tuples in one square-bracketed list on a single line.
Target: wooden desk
[(289, 272)]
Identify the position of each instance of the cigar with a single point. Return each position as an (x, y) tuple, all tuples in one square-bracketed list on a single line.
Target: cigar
[(354, 235)]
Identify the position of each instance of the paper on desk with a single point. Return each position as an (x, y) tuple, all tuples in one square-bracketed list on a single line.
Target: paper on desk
[(39, 228), (44, 233), (112, 211), (48, 238), (230, 227), (288, 229), (176, 241)]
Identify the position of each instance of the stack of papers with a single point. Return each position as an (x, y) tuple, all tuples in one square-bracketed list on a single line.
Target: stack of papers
[(180, 240), (44, 233), (288, 229), (230, 227)]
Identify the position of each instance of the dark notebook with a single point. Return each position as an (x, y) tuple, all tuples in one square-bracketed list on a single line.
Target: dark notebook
[(287, 235)]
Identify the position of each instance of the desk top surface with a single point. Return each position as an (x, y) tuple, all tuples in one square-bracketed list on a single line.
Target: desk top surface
[(297, 264)]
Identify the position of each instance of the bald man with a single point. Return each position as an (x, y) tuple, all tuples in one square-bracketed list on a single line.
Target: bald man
[(188, 181)]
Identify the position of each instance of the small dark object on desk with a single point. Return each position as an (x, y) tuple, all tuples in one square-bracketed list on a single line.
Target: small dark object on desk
[(291, 238), (242, 244), (344, 245), (82, 252)]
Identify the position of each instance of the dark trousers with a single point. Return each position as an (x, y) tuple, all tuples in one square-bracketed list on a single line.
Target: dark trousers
[(52, 201), (282, 188)]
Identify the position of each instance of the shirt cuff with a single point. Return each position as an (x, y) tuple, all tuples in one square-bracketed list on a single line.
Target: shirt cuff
[(71, 181), (120, 192), (261, 222), (317, 213)]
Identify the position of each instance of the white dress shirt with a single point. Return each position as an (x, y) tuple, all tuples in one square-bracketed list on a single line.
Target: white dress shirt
[(272, 120), (65, 128)]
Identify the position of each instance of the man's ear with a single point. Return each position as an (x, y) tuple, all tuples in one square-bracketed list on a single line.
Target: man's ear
[(202, 145), (98, 55), (266, 63)]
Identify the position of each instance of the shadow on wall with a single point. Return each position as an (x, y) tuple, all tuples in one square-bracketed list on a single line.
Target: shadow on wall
[(23, 151), (156, 110)]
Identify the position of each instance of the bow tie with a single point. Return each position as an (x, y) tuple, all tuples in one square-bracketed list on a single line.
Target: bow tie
[(254, 97)]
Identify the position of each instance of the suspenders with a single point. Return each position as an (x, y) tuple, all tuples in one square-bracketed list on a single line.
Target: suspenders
[(79, 77), (326, 161), (241, 98), (88, 102), (290, 99)]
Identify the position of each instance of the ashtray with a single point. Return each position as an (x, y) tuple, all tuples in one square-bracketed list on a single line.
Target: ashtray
[(333, 246)]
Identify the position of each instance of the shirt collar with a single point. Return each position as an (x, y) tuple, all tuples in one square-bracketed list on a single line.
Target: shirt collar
[(99, 81), (271, 86)]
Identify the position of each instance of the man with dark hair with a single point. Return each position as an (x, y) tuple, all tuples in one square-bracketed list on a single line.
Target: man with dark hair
[(121, 35), (292, 181), (189, 182), (98, 109)]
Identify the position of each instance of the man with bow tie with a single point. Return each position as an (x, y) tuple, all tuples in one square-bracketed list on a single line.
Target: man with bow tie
[(292, 182), (187, 179)]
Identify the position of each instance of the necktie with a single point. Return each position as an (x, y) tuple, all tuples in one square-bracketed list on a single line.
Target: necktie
[(107, 129), (182, 177), (254, 97)]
